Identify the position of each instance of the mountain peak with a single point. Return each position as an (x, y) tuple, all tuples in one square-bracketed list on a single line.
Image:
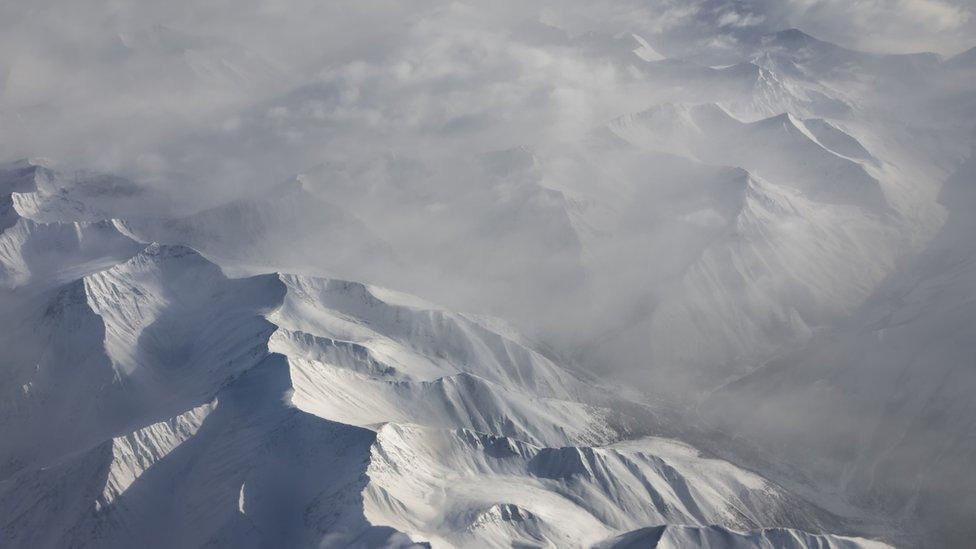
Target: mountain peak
[(794, 39), (166, 251), (169, 257), (966, 59), (25, 175)]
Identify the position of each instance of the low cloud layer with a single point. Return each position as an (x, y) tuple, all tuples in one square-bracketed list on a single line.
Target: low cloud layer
[(671, 193), (888, 26), (109, 84)]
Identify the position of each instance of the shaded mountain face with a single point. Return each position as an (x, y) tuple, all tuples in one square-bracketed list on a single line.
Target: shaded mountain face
[(471, 275)]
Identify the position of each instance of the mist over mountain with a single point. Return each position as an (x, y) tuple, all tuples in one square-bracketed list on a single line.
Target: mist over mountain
[(508, 274)]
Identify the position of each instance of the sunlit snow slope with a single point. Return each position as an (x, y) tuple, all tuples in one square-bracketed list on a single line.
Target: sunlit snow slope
[(152, 401)]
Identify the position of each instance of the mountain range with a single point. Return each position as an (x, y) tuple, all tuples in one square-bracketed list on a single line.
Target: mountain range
[(738, 310)]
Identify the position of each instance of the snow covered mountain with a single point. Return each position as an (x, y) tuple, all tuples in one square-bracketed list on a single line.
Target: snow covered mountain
[(899, 365), (460, 274), (283, 409)]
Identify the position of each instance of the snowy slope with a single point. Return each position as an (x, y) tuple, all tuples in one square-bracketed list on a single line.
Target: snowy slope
[(888, 390), (219, 398), (668, 537), (763, 255), (780, 148), (464, 488), (43, 194)]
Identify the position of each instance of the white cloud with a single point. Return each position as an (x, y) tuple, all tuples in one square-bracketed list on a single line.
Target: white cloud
[(883, 25)]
